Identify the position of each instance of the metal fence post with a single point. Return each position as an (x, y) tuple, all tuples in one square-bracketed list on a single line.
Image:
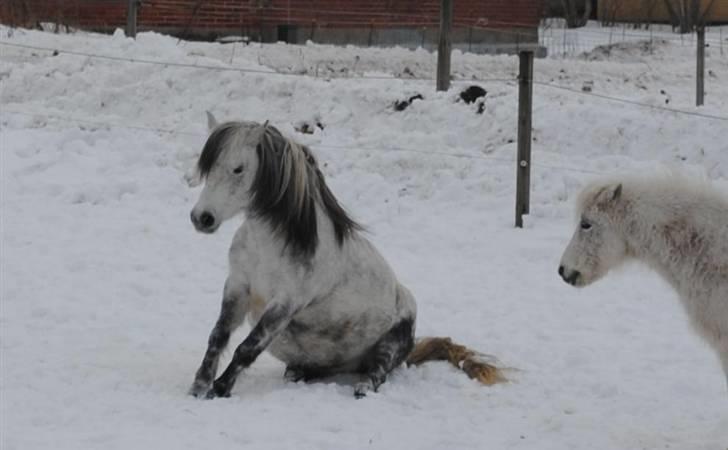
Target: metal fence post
[(445, 46), (700, 75), (131, 18), (525, 106)]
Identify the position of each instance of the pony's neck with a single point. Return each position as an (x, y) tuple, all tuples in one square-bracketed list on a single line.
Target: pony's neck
[(266, 230), (664, 237)]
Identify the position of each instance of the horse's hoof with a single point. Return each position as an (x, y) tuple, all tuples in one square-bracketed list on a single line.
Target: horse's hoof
[(212, 394), (217, 391), (361, 389), (199, 389), (294, 375)]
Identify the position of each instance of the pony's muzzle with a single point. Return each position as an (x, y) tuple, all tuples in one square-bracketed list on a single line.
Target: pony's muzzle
[(569, 276), (204, 222)]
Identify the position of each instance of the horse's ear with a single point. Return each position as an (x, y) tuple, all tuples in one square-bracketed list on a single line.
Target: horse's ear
[(609, 194), (617, 192), (212, 122), (272, 140)]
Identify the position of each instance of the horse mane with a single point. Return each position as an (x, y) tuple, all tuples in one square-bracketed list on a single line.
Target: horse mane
[(214, 146), (670, 184), (287, 186)]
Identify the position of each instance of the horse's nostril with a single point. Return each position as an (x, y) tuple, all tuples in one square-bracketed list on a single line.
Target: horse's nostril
[(193, 218), (572, 277), (207, 220)]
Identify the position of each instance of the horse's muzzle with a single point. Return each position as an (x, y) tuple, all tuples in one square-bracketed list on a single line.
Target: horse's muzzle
[(204, 222), (570, 276)]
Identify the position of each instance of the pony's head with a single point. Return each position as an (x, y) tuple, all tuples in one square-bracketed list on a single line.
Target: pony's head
[(228, 165), (254, 168), (597, 245)]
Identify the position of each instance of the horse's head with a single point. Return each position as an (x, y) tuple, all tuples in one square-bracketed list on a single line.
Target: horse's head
[(228, 164), (597, 246)]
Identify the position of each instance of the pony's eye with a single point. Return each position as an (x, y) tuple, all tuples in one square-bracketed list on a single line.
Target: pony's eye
[(238, 170), (585, 225)]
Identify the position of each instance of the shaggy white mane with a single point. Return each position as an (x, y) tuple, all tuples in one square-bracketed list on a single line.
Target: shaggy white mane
[(669, 184)]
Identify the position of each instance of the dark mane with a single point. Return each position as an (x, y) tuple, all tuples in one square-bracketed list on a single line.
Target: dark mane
[(285, 191), (343, 224), (214, 146)]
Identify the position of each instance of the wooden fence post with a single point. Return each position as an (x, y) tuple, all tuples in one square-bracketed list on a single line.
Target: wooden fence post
[(445, 46), (700, 76), (131, 18), (525, 103)]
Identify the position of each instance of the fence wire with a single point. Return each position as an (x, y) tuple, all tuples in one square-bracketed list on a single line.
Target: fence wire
[(362, 77), (387, 149)]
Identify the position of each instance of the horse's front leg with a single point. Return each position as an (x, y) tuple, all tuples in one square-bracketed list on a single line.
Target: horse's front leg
[(275, 319), (232, 313)]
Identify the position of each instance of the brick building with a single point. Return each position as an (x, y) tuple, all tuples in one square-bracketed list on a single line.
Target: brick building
[(478, 25), (647, 11)]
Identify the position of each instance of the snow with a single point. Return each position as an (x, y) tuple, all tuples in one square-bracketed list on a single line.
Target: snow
[(108, 294)]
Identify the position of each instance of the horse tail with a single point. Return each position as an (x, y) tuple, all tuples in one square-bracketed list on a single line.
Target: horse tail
[(476, 365)]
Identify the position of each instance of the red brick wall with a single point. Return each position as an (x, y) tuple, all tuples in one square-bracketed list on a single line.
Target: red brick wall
[(245, 14)]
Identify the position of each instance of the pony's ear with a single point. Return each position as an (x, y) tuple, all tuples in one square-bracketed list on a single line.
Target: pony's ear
[(272, 140), (610, 194), (212, 122), (617, 192)]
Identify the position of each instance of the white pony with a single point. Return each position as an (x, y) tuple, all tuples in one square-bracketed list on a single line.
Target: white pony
[(318, 295), (677, 226)]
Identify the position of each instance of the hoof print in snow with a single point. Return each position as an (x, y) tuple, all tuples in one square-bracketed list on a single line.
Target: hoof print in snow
[(667, 96), (474, 94), (481, 107), (309, 127), (401, 105), (407, 72)]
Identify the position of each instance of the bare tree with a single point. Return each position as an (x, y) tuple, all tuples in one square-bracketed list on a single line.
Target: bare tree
[(571, 12), (610, 11), (648, 6), (686, 15)]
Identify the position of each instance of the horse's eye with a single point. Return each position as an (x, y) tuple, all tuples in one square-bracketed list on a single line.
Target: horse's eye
[(238, 170), (585, 225)]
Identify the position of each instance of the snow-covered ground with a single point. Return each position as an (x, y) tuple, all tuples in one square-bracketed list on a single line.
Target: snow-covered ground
[(108, 294)]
